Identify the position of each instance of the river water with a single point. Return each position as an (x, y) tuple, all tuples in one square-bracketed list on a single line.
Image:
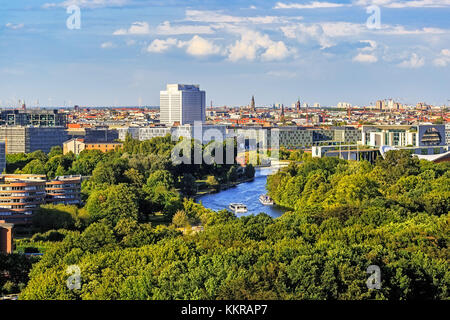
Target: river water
[(247, 193)]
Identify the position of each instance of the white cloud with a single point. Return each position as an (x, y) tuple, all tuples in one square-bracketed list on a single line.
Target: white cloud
[(136, 28), (107, 45), (167, 29), (311, 5), (365, 58), (91, 4), (444, 59), (372, 45), (253, 44), (13, 26), (220, 18), (396, 4), (159, 46), (306, 33), (414, 62), (401, 30), (199, 47)]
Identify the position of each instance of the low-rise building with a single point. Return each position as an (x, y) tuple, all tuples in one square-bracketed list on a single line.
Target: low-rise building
[(77, 145), (6, 237), (404, 135), (103, 146)]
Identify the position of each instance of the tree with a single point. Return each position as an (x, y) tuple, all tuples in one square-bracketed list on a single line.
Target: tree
[(250, 171), (115, 203), (34, 167), (188, 184), (55, 151), (212, 182), (180, 219)]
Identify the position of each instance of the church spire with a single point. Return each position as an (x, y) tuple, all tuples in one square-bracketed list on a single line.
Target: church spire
[(252, 105)]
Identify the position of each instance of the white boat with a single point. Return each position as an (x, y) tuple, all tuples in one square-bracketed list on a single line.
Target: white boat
[(266, 200), (238, 207)]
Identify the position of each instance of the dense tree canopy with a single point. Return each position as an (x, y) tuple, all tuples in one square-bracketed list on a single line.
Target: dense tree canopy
[(342, 217)]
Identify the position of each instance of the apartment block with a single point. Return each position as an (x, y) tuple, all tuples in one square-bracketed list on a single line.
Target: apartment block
[(22, 194), (64, 190)]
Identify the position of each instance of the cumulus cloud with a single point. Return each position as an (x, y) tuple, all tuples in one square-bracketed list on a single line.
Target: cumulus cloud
[(371, 45), (136, 28), (162, 45), (413, 62), (253, 44), (365, 58), (311, 5), (197, 46), (305, 33), (444, 58)]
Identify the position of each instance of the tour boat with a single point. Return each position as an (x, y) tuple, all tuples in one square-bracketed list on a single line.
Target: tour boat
[(266, 200), (238, 207)]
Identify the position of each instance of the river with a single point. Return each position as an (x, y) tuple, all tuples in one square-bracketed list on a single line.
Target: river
[(247, 193)]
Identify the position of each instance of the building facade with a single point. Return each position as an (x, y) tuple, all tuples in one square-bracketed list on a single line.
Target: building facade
[(2, 156), (33, 117), (404, 136), (182, 104), (22, 194), (6, 237), (20, 197), (64, 190), (26, 139)]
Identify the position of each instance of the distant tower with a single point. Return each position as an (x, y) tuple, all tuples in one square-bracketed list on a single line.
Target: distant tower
[(252, 104), (297, 106), (282, 113), (24, 106)]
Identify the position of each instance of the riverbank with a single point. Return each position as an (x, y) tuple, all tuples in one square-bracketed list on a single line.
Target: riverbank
[(222, 187), (245, 192)]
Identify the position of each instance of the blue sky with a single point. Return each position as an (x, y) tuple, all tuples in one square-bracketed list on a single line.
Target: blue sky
[(319, 51)]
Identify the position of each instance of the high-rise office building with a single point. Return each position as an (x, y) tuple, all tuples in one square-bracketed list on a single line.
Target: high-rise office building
[(182, 104), (26, 139)]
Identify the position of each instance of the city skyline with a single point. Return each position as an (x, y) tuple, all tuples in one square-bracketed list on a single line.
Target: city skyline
[(126, 50)]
